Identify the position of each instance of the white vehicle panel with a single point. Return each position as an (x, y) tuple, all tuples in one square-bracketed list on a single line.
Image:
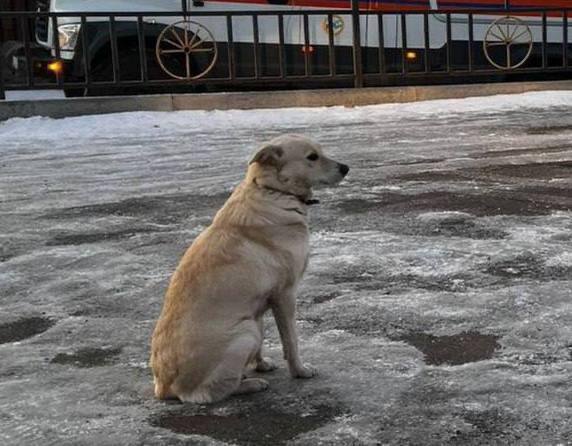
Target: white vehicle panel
[(243, 30)]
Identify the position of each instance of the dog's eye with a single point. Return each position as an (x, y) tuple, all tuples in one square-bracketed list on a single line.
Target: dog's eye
[(313, 157)]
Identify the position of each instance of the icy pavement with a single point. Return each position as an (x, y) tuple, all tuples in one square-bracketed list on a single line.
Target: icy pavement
[(437, 305)]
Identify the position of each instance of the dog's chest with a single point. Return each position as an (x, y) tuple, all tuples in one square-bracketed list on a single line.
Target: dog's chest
[(296, 246)]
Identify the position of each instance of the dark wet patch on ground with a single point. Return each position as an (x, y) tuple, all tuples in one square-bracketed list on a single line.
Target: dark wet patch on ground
[(548, 192), (88, 357), (419, 161), (490, 204), (453, 350), (548, 171), (359, 205), (539, 171), (518, 152), (24, 329), (96, 237), (253, 426), (159, 209), (433, 176), (528, 266), (455, 226), (363, 279), (548, 129)]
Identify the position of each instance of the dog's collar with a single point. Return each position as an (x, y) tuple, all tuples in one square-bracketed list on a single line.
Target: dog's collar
[(303, 200)]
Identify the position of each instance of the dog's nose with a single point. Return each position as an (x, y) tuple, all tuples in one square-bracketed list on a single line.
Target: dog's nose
[(344, 169)]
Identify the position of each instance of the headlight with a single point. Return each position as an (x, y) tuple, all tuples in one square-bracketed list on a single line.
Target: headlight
[(68, 36)]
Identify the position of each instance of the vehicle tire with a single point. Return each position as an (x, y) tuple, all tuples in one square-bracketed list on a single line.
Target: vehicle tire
[(129, 66), (74, 92)]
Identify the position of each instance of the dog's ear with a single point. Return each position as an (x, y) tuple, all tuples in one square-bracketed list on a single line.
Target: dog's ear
[(269, 155)]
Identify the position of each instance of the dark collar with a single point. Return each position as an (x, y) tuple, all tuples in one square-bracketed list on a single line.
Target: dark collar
[(301, 199)]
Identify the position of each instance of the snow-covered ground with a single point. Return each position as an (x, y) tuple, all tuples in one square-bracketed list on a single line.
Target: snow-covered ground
[(437, 305)]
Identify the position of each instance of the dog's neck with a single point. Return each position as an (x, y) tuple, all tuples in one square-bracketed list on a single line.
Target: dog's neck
[(305, 201)]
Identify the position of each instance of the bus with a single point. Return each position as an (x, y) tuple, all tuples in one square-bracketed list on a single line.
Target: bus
[(395, 36)]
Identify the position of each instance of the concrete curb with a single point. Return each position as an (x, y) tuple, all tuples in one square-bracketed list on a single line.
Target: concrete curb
[(61, 108)]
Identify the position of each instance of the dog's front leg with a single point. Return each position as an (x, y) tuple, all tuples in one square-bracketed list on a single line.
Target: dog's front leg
[(263, 365), (284, 310)]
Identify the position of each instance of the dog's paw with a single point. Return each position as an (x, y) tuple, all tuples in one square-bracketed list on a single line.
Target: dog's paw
[(304, 372), (251, 385), (265, 365)]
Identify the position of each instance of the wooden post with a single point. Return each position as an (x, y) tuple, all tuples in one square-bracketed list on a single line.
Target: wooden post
[(2, 91), (358, 68)]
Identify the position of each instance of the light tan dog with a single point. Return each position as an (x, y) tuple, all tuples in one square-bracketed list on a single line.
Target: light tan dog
[(249, 260)]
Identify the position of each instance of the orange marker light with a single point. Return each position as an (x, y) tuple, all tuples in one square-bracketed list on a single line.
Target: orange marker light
[(57, 67), (411, 55)]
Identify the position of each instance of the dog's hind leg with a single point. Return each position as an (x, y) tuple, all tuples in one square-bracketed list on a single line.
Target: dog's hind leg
[(227, 377)]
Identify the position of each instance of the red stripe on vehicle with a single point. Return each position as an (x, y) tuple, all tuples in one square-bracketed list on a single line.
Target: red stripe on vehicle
[(333, 4), (417, 5)]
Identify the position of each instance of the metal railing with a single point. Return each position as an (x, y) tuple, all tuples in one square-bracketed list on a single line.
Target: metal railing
[(258, 63)]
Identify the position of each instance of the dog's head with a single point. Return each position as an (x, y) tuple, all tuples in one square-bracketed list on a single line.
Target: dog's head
[(294, 164)]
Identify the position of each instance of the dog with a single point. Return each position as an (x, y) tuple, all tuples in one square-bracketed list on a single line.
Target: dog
[(249, 260)]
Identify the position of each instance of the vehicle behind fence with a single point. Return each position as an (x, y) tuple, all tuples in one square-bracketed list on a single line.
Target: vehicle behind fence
[(203, 45)]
